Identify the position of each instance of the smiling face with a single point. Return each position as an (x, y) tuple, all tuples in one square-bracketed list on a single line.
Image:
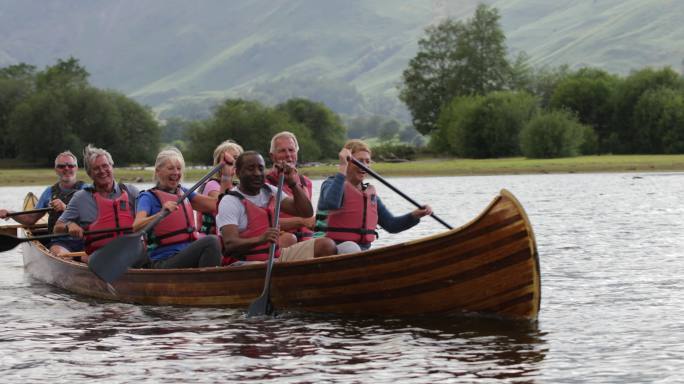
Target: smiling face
[(251, 173), (356, 175), (169, 174), (65, 168), (285, 151), (102, 173)]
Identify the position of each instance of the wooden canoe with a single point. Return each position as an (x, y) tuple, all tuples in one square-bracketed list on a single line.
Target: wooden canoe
[(488, 266)]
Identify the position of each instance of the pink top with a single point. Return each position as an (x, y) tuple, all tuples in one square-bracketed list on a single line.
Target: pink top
[(212, 185)]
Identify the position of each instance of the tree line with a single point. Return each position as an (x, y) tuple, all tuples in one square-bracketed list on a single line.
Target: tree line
[(474, 101), (462, 89), (44, 112)]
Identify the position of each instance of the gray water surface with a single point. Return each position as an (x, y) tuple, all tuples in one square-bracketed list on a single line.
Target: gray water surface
[(612, 311)]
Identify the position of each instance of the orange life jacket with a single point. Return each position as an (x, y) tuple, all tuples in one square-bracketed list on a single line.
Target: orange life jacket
[(111, 213), (302, 233), (258, 221), (178, 226), (357, 219)]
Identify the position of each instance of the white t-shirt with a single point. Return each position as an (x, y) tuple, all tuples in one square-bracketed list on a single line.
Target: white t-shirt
[(232, 211)]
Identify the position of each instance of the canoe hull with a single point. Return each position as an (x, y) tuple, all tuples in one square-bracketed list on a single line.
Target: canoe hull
[(489, 265)]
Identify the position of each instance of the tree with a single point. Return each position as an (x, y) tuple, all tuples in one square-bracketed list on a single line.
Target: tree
[(455, 59), (627, 95), (486, 126), (324, 125), (426, 83), (64, 74), (482, 51), (251, 124), (589, 94), (552, 134), (659, 118), (17, 83)]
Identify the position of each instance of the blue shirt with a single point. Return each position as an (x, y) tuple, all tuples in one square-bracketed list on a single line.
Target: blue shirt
[(149, 203), (331, 197)]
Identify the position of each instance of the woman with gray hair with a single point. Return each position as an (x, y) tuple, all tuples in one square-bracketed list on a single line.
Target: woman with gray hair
[(175, 242), (105, 205), (228, 151)]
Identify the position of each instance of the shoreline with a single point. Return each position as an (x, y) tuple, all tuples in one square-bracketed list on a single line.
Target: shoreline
[(417, 168)]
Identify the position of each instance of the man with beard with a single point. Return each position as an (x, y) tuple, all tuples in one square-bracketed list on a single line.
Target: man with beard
[(57, 196), (284, 149), (105, 205), (245, 216)]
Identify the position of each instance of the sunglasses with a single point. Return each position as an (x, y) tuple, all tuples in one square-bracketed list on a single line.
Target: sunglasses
[(62, 166)]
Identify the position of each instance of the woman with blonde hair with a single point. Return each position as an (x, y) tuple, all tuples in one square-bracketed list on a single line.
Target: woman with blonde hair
[(175, 242), (228, 151)]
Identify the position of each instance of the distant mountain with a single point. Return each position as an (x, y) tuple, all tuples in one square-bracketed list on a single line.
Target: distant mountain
[(347, 53)]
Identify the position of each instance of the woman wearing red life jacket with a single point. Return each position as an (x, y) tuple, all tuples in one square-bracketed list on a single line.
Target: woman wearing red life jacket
[(354, 209), (228, 151), (175, 242)]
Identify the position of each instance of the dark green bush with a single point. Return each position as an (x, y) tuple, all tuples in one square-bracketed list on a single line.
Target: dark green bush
[(553, 134)]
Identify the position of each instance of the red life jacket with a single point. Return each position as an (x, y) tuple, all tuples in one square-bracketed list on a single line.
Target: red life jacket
[(357, 219), (302, 233), (179, 225), (111, 213), (258, 221)]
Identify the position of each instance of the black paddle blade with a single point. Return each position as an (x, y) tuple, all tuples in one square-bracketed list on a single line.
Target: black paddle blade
[(110, 262), (261, 306), (8, 242)]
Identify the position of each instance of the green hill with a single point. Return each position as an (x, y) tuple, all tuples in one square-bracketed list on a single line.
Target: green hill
[(176, 54)]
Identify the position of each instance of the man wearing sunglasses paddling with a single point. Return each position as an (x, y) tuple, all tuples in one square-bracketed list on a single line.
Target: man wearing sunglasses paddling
[(57, 197)]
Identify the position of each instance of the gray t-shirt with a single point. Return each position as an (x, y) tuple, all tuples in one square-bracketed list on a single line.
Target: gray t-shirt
[(232, 211), (82, 208)]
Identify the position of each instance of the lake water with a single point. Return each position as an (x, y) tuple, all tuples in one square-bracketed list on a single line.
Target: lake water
[(612, 308)]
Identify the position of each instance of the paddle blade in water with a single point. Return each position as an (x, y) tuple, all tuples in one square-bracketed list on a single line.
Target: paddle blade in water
[(8, 242), (261, 306), (112, 261)]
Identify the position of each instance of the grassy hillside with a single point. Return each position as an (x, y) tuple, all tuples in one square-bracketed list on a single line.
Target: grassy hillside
[(165, 52)]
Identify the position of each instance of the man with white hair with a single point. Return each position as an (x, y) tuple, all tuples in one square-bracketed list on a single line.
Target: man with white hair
[(284, 149), (105, 205), (56, 196)]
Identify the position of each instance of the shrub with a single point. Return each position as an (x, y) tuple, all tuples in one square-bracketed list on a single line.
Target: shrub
[(553, 134)]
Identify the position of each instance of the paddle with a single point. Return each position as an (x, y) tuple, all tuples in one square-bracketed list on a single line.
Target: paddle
[(390, 186), (8, 242), (114, 259), (40, 210), (262, 305)]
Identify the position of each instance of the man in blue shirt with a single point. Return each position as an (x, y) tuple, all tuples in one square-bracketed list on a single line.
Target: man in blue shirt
[(57, 196)]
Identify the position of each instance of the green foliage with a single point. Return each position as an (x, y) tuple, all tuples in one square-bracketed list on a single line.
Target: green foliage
[(659, 118), (324, 126), (174, 129), (64, 74), (455, 59), (552, 134), (482, 52), (627, 96), (62, 111), (251, 124), (589, 94), (427, 80), (486, 126)]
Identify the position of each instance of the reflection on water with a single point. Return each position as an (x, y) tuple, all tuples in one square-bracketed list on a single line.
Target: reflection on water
[(610, 249)]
